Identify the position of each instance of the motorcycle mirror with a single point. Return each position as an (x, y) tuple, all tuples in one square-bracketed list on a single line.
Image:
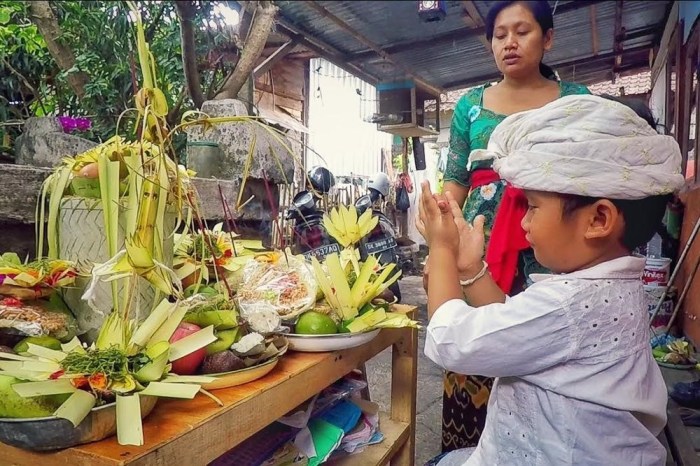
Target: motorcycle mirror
[(304, 201), (363, 203), (291, 214), (374, 195)]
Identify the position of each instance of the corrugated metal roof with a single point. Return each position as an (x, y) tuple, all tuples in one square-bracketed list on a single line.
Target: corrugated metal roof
[(447, 54)]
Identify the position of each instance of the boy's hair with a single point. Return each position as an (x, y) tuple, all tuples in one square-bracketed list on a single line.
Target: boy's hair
[(642, 216)]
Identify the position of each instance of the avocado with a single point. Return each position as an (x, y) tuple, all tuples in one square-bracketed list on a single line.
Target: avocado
[(224, 361)]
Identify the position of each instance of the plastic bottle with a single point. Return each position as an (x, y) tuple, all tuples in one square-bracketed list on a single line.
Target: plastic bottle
[(654, 247)]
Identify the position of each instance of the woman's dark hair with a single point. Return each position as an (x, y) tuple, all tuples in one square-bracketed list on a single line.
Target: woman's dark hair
[(543, 15), (642, 216)]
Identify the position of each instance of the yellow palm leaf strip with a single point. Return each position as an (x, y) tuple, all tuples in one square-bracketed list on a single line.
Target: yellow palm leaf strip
[(58, 186), (246, 169), (228, 218), (108, 172), (207, 240)]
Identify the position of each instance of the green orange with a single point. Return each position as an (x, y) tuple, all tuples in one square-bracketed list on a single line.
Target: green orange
[(315, 323)]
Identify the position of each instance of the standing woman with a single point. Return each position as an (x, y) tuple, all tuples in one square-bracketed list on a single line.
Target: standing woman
[(520, 33)]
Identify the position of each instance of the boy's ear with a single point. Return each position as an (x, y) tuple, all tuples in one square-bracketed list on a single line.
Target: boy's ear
[(603, 220)]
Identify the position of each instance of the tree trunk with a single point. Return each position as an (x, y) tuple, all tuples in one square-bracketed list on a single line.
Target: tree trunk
[(186, 13), (47, 23), (260, 30)]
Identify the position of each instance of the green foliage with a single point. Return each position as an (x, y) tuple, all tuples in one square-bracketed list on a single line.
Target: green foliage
[(100, 34)]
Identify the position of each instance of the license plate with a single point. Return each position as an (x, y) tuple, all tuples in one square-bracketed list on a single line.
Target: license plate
[(322, 251), (375, 247)]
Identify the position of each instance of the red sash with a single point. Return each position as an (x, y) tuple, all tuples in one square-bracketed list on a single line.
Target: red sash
[(507, 235)]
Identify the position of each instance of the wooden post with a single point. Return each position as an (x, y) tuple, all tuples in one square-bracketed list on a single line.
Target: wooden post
[(404, 380), (404, 170)]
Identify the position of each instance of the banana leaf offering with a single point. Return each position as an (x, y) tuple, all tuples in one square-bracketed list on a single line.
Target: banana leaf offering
[(126, 361), (32, 280)]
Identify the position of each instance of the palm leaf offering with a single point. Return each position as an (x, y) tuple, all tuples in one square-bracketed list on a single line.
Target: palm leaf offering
[(351, 293), (345, 226), (203, 255), (126, 360), (39, 277), (352, 289)]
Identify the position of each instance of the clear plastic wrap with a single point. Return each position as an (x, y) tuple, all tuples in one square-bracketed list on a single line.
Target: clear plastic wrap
[(287, 286)]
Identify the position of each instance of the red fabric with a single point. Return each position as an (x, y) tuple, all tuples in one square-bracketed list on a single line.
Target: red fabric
[(482, 177), (507, 236), (404, 180)]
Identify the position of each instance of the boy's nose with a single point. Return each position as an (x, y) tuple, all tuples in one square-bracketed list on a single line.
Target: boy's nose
[(525, 224)]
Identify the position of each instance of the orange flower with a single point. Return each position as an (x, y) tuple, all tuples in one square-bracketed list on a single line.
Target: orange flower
[(80, 383), (98, 382)]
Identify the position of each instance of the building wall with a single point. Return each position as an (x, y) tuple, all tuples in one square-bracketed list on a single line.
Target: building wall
[(690, 310), (339, 137)]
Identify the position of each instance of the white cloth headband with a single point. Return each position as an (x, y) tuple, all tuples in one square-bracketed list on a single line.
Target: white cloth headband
[(585, 145)]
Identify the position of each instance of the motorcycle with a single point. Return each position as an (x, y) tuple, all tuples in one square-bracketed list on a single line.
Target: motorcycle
[(311, 238), (381, 241)]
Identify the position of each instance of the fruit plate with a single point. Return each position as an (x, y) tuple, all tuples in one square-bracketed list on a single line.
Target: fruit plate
[(241, 376), (333, 342), (55, 433)]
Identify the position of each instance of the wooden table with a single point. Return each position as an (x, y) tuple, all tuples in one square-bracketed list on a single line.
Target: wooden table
[(195, 432)]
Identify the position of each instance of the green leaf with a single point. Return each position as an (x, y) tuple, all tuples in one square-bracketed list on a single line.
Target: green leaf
[(4, 16)]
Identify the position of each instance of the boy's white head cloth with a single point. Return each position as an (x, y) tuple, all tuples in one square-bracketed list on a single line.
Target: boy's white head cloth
[(584, 145)]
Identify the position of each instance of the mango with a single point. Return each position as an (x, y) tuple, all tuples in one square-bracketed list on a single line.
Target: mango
[(14, 406), (45, 341), (225, 338), (221, 320)]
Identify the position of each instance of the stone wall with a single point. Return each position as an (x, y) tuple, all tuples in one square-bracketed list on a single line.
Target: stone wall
[(42, 145), (237, 142)]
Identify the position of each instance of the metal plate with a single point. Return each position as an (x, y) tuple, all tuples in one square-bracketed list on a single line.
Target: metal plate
[(334, 342), (54, 433)]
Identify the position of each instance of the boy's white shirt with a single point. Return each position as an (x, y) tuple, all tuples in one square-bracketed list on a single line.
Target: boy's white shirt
[(576, 382)]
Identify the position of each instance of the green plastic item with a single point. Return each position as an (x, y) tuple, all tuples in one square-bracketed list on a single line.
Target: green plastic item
[(326, 438)]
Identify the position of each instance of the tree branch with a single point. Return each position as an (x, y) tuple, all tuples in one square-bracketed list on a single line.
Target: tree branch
[(186, 13), (151, 30), (259, 32), (42, 15), (25, 81), (174, 113)]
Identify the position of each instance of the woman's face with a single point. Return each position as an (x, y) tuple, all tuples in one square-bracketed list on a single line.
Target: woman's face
[(518, 43)]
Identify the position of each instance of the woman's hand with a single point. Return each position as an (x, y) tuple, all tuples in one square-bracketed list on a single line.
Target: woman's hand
[(471, 240)]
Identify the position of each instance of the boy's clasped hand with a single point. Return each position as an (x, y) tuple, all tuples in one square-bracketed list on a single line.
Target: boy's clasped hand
[(443, 226)]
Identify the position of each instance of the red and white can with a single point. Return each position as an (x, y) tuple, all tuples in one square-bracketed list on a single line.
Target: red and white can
[(656, 271)]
